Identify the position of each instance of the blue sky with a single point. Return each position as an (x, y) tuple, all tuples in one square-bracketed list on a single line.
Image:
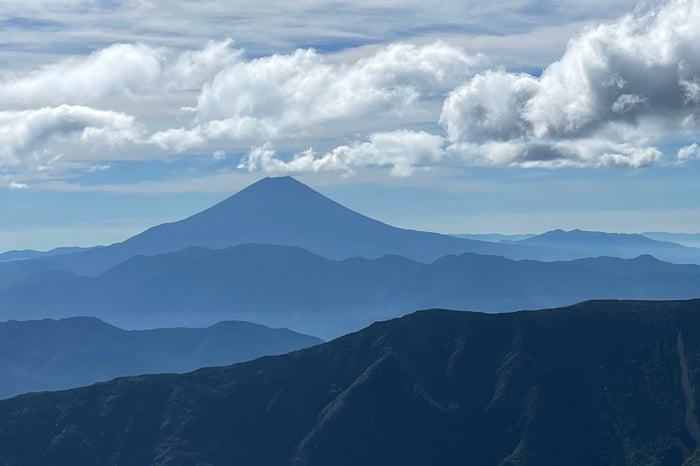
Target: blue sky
[(474, 116)]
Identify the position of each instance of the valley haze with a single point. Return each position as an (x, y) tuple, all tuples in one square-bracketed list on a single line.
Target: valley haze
[(281, 254)]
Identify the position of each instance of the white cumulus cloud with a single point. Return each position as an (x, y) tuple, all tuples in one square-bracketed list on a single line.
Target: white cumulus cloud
[(620, 91), (691, 151), (609, 99), (402, 151), (283, 95), (27, 136), (119, 69)]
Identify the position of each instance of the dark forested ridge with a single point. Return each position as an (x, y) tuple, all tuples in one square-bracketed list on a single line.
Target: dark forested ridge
[(600, 383), (58, 354)]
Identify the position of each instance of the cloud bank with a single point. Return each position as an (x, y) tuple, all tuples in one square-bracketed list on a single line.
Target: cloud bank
[(27, 136), (290, 95), (609, 99), (402, 151), (620, 92), (132, 70)]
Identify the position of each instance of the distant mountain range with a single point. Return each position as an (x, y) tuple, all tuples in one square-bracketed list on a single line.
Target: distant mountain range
[(579, 243), (280, 211), (686, 239), (50, 355), (31, 254), (493, 237), (576, 244), (598, 384), (281, 254), (283, 211), (290, 287)]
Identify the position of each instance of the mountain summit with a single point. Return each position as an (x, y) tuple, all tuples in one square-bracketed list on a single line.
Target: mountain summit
[(284, 211), (279, 211)]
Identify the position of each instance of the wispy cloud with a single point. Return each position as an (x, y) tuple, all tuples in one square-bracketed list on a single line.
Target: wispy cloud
[(324, 24)]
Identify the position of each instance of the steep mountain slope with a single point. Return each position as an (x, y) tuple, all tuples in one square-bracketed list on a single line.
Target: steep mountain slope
[(51, 355), (290, 287), (602, 383), (283, 211), (578, 243), (279, 211)]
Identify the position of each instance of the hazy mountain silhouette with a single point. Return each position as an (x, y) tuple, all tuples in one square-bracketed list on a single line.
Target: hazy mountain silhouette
[(32, 254), (290, 287), (493, 237), (578, 243), (279, 211), (283, 211), (51, 355), (602, 383), (686, 239)]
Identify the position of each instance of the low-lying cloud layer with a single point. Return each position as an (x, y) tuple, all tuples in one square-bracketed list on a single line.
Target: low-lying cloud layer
[(620, 92)]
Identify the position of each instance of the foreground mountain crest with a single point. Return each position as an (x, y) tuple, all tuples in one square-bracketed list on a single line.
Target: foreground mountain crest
[(601, 383)]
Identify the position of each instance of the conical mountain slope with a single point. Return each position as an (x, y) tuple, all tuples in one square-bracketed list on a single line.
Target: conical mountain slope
[(284, 211), (280, 211)]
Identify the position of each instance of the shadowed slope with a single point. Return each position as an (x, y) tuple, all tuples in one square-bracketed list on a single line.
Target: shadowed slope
[(601, 383), (51, 355)]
